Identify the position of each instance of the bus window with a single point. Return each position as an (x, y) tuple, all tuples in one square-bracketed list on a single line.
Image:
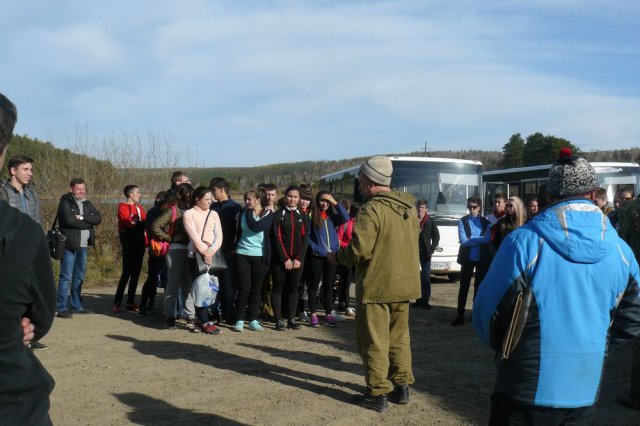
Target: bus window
[(514, 189)]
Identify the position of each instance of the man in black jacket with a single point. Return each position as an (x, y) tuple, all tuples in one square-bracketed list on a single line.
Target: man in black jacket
[(77, 218), (28, 291), (428, 241)]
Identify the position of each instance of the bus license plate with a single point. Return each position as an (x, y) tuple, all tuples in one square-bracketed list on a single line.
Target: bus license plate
[(440, 266)]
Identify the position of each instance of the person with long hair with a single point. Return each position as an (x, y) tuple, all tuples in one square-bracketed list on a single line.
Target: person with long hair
[(289, 237), (205, 234), (346, 273), (253, 254), (306, 205), (156, 272), (169, 226), (515, 217), (327, 215)]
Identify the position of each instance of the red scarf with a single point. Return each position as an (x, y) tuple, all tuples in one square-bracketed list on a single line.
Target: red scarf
[(424, 220)]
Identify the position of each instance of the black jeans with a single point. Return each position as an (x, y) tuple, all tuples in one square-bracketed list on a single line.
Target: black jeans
[(321, 269), (227, 295), (466, 272), (132, 255), (284, 282), (345, 285), (157, 274), (251, 272), (508, 412)]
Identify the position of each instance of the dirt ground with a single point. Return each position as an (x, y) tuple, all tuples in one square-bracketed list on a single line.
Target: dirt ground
[(123, 369)]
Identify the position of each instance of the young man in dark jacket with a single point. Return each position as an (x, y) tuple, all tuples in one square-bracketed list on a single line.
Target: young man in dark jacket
[(428, 241), (228, 211), (77, 218), (28, 291)]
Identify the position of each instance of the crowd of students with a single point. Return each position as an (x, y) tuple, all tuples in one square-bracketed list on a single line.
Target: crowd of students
[(274, 251), (480, 237)]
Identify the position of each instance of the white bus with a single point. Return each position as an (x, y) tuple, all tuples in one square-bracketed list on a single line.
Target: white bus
[(525, 181), (445, 183)]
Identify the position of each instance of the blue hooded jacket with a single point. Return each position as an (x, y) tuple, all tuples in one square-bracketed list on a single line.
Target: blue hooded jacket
[(579, 286), (328, 235)]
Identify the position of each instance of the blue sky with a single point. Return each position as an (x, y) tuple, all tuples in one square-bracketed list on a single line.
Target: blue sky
[(257, 82)]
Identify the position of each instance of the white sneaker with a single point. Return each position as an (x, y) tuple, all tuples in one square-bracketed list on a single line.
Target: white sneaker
[(337, 317), (303, 317), (350, 312)]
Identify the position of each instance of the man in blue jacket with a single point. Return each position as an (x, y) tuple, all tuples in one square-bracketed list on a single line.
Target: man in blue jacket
[(560, 289)]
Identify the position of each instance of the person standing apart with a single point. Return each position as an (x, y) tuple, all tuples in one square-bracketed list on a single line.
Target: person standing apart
[(474, 232), (133, 240), (427, 243), (28, 295), (385, 254), (77, 218), (560, 290)]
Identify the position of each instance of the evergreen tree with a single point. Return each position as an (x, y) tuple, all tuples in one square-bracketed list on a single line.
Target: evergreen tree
[(513, 152)]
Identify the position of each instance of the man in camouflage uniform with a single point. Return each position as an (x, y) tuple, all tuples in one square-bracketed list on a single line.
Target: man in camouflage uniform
[(629, 229)]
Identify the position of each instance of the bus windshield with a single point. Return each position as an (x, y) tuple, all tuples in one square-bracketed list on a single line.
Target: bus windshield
[(445, 186), (614, 177)]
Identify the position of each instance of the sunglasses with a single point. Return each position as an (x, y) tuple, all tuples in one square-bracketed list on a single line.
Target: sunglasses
[(472, 207)]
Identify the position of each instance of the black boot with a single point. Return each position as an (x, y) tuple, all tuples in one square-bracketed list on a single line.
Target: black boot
[(400, 394), (376, 403)]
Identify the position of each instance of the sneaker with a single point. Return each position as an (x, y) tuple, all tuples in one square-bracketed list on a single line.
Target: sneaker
[(350, 312), (376, 403), (255, 326), (313, 321), (37, 346), (190, 324), (116, 308), (400, 394), (337, 317), (170, 323), (293, 325), (65, 314), (458, 321), (196, 328), (239, 326), (330, 321), (280, 326), (132, 307), (142, 313), (210, 328), (83, 311), (303, 317)]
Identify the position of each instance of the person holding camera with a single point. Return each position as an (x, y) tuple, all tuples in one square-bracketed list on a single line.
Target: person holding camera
[(133, 239)]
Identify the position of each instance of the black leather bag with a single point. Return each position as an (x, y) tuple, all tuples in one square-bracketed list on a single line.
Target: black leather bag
[(218, 262), (56, 240)]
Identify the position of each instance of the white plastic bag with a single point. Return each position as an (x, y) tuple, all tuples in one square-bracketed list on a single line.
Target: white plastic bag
[(204, 290)]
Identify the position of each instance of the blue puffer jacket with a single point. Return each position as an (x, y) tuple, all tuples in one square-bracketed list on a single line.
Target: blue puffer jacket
[(328, 235), (576, 276)]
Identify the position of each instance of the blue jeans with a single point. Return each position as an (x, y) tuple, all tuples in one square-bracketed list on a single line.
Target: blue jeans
[(72, 270), (425, 283)]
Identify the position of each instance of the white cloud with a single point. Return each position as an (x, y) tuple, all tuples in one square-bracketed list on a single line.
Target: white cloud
[(300, 80)]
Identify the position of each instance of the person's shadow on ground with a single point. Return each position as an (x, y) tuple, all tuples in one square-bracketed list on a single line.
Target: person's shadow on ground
[(151, 411), (206, 355)]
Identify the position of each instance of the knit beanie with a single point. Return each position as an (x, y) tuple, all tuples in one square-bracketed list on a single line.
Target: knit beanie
[(571, 176), (378, 170)]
